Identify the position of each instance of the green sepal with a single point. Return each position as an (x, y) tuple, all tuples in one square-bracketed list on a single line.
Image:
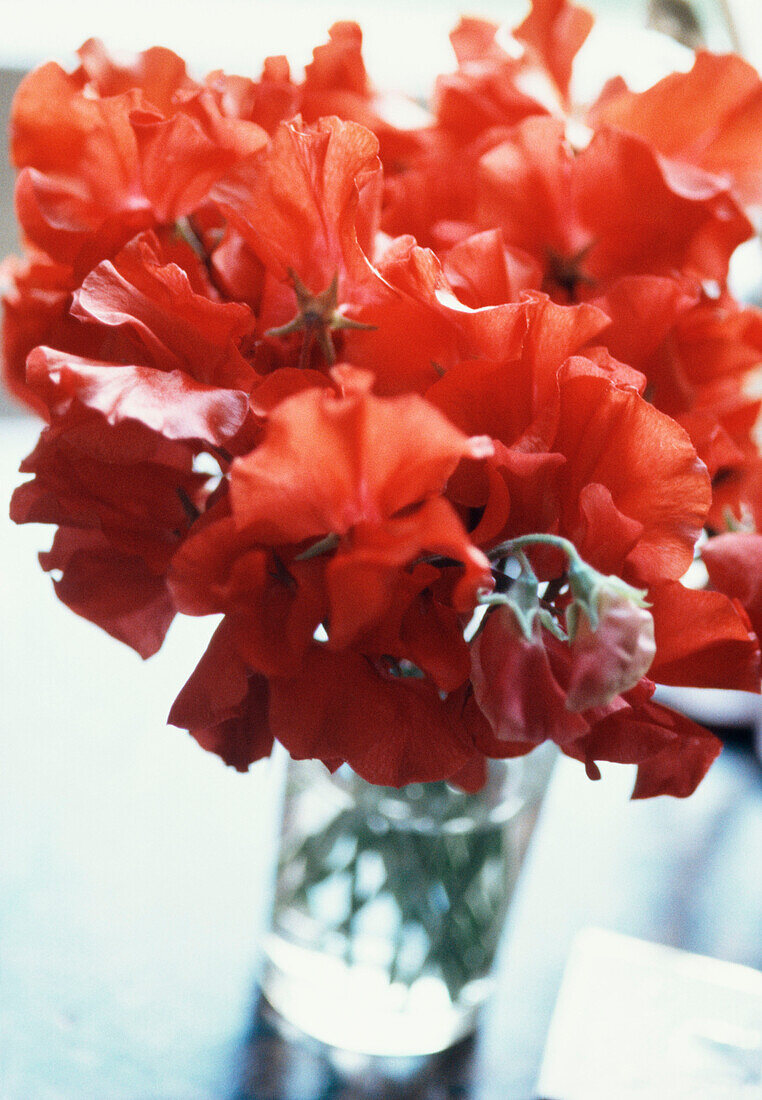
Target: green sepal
[(586, 585), (523, 600)]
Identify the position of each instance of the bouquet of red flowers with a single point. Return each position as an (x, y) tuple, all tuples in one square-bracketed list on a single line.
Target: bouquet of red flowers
[(436, 417)]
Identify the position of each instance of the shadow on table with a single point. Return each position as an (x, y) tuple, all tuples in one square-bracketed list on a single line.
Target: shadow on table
[(277, 1064)]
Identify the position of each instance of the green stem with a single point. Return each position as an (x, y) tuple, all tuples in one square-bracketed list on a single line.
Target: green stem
[(513, 546)]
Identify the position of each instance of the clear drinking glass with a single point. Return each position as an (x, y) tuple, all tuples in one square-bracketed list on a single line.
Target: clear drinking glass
[(389, 904)]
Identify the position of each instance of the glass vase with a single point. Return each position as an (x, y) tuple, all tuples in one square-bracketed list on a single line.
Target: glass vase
[(389, 904)]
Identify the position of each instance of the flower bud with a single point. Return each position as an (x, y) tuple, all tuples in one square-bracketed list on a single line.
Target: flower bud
[(514, 685), (612, 649)]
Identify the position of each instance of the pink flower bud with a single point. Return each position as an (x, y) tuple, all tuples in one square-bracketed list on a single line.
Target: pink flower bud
[(614, 657)]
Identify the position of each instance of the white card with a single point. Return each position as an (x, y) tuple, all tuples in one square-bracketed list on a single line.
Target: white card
[(635, 1020)]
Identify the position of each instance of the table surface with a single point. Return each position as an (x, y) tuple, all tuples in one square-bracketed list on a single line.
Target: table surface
[(134, 874)]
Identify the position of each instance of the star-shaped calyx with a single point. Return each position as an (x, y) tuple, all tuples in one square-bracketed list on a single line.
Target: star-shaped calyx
[(317, 317), (565, 272)]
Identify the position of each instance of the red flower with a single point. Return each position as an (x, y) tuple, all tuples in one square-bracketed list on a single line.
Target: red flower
[(609, 210), (486, 90), (121, 495), (521, 686), (298, 203), (390, 730), (710, 117), (656, 492), (329, 462), (115, 589), (93, 148), (168, 402), (673, 754), (149, 311), (273, 603), (734, 562), (272, 99), (554, 31), (562, 365)]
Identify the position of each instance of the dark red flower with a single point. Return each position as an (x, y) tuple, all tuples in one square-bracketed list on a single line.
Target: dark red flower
[(673, 754), (516, 688), (391, 730), (224, 705)]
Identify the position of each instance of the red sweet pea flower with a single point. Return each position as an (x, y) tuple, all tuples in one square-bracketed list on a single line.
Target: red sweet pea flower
[(594, 463), (487, 89), (272, 99), (159, 74), (483, 271), (656, 492), (122, 479), (168, 402), (113, 588), (644, 310), (365, 473), (703, 639), (273, 603), (415, 306), (522, 687), (317, 231), (197, 138), (90, 178), (336, 83), (357, 479), (673, 754), (174, 359), (330, 516), (698, 359), (710, 117), (93, 148), (554, 359), (298, 204), (390, 730), (609, 210), (734, 562), (148, 311), (509, 397), (123, 496), (36, 303), (496, 88)]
